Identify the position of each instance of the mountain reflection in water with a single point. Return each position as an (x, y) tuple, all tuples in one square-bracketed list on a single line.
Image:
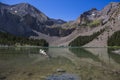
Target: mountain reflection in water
[(86, 63)]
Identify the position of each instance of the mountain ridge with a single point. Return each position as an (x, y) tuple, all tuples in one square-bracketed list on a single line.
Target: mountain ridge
[(35, 24), (27, 18)]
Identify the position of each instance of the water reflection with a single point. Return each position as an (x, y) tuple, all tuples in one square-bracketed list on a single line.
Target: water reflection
[(83, 53), (87, 63), (104, 56), (115, 57)]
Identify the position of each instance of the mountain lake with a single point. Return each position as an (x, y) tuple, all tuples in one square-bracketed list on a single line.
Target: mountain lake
[(27, 63)]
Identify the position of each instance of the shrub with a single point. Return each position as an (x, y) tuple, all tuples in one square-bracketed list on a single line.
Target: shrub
[(94, 23)]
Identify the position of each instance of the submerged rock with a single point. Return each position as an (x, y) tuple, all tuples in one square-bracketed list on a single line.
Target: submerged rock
[(3, 77), (63, 77), (30, 74), (61, 70)]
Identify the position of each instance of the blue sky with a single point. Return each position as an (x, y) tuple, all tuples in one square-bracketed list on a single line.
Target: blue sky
[(63, 9)]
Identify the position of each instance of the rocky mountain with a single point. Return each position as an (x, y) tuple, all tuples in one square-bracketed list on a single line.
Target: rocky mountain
[(93, 27), (93, 21), (88, 16), (23, 19)]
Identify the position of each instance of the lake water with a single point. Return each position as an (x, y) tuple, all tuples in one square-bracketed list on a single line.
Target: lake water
[(60, 64)]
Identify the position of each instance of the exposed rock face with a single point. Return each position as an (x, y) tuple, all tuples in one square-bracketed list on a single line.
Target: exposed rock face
[(110, 8), (110, 12), (88, 16), (104, 15), (22, 19)]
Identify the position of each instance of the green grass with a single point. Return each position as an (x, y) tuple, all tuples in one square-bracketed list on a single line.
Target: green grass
[(94, 23)]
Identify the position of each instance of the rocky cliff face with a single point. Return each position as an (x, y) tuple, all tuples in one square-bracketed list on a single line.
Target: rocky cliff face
[(106, 14), (88, 16), (23, 19)]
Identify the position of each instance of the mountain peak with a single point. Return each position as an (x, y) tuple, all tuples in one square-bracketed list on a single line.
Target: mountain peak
[(23, 5), (93, 9), (87, 16), (3, 5), (23, 9)]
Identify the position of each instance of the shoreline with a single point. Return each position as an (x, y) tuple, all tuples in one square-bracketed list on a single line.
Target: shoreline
[(31, 46)]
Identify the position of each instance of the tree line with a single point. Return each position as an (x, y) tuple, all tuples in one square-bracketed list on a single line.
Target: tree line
[(10, 40), (114, 40), (82, 40)]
